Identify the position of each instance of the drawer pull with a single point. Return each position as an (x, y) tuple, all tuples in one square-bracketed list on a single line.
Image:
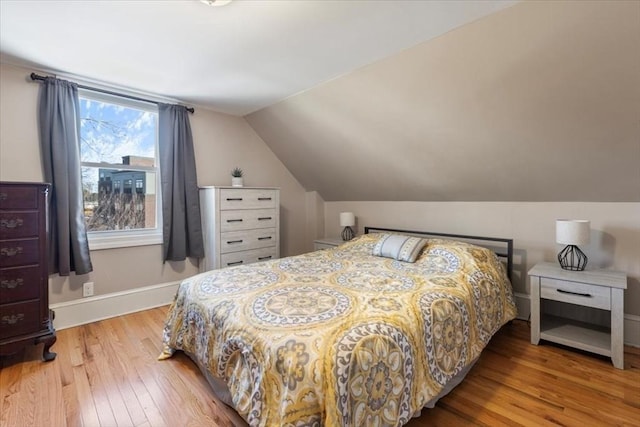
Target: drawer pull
[(262, 258), (264, 218), (13, 319), (231, 242), (3, 196), (234, 199), (234, 263), (234, 220), (580, 294), (11, 251), (264, 238), (11, 284), (264, 198), (11, 223)]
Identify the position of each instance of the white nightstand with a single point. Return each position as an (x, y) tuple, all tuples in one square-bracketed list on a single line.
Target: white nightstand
[(601, 289), (327, 243)]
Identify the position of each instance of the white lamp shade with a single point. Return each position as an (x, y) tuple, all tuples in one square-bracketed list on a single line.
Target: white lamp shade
[(347, 219), (573, 231)]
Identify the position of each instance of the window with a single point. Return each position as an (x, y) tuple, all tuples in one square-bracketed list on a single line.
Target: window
[(119, 139), (127, 186)]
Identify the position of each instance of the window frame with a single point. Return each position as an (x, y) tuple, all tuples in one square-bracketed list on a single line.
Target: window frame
[(111, 239)]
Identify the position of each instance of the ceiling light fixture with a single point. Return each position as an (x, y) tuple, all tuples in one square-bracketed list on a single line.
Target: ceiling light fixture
[(216, 2)]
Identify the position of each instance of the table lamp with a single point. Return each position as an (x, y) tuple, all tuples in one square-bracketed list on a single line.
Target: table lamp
[(347, 220), (572, 232)]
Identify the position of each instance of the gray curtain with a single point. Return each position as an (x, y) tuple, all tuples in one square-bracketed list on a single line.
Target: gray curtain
[(59, 126), (181, 227)]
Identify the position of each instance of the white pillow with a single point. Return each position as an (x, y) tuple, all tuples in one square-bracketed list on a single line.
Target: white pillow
[(400, 247)]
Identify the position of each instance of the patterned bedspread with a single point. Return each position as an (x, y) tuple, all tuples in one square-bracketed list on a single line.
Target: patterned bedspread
[(340, 337)]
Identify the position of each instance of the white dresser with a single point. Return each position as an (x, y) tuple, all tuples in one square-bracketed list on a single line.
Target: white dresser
[(240, 225)]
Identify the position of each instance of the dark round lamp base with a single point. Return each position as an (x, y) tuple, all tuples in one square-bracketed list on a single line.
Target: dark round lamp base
[(572, 258), (347, 234)]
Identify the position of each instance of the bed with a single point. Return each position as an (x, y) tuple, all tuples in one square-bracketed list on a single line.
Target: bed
[(367, 333)]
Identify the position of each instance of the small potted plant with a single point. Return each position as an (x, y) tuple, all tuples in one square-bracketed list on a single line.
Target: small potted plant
[(236, 177)]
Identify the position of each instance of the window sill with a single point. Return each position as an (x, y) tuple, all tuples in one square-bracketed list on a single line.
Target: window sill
[(107, 240)]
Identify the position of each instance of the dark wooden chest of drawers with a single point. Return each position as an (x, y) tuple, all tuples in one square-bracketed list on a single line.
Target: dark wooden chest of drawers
[(25, 317)]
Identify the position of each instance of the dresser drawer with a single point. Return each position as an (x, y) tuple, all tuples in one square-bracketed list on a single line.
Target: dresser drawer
[(20, 283), (19, 318), (246, 219), (18, 252), (18, 224), (247, 257), (249, 198), (576, 293), (235, 241), (18, 197)]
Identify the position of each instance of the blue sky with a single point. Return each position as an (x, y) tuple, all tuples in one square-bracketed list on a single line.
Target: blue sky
[(111, 131)]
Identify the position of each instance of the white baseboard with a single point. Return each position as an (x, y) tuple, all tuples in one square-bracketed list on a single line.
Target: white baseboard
[(91, 309), (631, 321), (632, 330)]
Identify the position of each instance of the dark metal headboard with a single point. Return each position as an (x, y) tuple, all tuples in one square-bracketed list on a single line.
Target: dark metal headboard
[(488, 242)]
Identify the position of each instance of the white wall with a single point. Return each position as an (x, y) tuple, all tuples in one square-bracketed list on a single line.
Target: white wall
[(538, 102), (221, 142), (615, 230)]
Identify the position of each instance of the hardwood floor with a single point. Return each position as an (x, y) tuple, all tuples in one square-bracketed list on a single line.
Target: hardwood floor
[(106, 374)]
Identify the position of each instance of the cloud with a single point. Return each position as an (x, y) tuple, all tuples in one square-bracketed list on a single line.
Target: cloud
[(110, 132)]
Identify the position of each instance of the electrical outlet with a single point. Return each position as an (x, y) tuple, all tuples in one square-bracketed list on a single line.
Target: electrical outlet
[(87, 289)]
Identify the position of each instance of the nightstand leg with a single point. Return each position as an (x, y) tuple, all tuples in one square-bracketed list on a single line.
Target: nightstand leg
[(534, 285), (617, 328)]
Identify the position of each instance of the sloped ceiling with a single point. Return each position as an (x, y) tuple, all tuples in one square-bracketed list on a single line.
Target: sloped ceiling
[(234, 59), (538, 102)]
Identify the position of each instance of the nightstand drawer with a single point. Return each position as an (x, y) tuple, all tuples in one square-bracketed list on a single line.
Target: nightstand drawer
[(576, 293), (320, 246)]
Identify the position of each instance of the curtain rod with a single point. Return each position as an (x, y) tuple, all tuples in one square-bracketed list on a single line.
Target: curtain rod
[(34, 76)]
